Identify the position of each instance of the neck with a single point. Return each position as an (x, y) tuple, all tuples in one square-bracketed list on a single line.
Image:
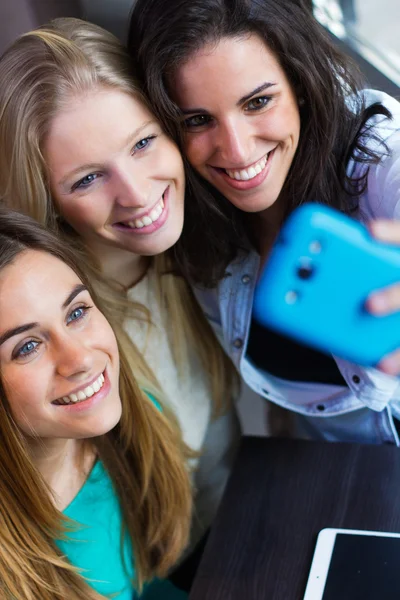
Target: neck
[(121, 266), (63, 464), (265, 227)]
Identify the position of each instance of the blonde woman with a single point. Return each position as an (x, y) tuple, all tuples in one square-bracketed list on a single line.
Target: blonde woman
[(86, 509), (81, 151)]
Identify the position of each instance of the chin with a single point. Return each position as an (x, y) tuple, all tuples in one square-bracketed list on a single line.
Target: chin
[(107, 423), (253, 207)]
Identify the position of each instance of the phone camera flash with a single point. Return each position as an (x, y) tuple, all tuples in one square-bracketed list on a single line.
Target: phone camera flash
[(291, 297), (315, 247)]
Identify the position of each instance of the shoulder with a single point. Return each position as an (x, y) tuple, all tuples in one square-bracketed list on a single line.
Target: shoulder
[(154, 401), (383, 126), (382, 135)]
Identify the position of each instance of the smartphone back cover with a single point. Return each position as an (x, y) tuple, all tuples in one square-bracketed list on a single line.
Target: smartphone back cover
[(318, 276)]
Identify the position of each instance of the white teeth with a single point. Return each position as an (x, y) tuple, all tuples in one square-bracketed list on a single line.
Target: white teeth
[(148, 219), (250, 173), (88, 392)]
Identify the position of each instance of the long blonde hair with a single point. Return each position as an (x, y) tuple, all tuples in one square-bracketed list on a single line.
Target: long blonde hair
[(38, 73), (144, 456)]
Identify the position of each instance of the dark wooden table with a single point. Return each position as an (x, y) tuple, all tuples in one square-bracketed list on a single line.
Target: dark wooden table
[(280, 495)]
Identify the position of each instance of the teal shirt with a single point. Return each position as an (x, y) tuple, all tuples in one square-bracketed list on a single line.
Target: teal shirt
[(95, 546)]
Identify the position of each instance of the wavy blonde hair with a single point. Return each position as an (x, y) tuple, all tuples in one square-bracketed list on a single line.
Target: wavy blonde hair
[(38, 75), (144, 456)]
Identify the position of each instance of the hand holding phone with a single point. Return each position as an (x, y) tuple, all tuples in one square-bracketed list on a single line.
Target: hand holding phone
[(314, 287)]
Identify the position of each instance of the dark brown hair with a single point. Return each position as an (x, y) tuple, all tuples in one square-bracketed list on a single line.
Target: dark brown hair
[(164, 34)]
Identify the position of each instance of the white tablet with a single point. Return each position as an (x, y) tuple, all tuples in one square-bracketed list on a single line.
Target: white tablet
[(350, 564)]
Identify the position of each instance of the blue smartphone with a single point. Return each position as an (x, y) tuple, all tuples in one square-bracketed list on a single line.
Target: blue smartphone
[(319, 274)]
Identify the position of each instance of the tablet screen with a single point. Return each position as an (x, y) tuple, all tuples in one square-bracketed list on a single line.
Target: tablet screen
[(364, 567)]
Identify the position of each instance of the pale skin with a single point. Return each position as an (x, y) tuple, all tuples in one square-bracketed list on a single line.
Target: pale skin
[(54, 342), (386, 301), (111, 166), (238, 108)]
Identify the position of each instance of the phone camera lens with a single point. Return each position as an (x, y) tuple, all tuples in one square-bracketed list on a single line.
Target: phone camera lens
[(305, 271)]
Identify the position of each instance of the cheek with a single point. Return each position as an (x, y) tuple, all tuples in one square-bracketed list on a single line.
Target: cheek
[(106, 338), (81, 215), (291, 123), (283, 125), (197, 149), (25, 395), (176, 161)]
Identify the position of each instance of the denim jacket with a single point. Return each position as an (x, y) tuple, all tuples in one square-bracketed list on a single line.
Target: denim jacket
[(363, 411)]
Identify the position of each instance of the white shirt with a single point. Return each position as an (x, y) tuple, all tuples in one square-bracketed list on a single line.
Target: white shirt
[(188, 395)]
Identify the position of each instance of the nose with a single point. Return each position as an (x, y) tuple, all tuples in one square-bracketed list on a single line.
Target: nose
[(131, 186), (234, 143), (74, 359)]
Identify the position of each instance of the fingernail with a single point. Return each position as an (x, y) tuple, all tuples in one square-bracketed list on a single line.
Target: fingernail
[(379, 229), (377, 303), (389, 366)]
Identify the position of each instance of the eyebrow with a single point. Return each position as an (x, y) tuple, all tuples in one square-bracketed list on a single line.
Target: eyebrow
[(129, 139), (80, 287), (93, 166), (257, 90)]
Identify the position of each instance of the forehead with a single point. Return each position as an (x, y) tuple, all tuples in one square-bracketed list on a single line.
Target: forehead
[(32, 284), (92, 125), (231, 68)]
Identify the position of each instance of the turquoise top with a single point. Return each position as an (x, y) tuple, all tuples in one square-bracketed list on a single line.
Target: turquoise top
[(95, 546)]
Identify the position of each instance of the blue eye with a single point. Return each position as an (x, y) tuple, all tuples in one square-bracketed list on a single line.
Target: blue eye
[(143, 143), (78, 313), (85, 181), (26, 349), (197, 121)]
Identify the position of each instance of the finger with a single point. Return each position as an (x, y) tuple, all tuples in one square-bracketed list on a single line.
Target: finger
[(386, 231), (385, 301), (391, 363)]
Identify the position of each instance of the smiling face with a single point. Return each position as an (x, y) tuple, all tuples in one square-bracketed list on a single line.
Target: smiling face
[(117, 179), (59, 360), (241, 120)]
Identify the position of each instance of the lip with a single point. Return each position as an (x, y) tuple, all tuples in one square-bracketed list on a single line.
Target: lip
[(93, 400), (250, 183), (84, 385), (153, 226)]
